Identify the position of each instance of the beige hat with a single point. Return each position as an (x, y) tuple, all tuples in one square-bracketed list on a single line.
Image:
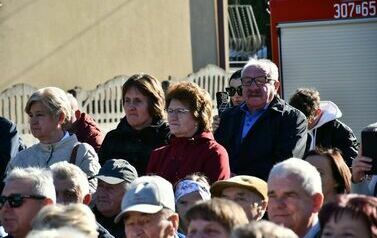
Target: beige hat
[(242, 181)]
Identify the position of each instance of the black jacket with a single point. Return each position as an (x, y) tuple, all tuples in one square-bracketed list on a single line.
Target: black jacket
[(10, 144), (132, 145), (107, 223), (278, 134), (337, 134)]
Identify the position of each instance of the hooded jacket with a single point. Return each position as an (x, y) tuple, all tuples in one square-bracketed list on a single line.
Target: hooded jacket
[(132, 145), (330, 132), (186, 155)]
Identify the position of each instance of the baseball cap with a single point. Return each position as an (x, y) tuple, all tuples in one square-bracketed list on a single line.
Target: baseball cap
[(242, 181), (147, 194), (115, 171)]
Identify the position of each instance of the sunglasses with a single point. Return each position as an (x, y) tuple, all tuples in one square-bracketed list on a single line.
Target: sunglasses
[(16, 200), (232, 91)]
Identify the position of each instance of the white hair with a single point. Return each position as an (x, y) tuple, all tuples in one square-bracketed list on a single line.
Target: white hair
[(307, 174), (64, 170), (61, 232), (266, 65), (40, 178), (262, 229)]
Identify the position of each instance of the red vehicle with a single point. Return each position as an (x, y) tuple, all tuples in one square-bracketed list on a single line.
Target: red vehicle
[(330, 45)]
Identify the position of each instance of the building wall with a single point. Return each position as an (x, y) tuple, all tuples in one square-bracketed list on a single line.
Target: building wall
[(83, 43)]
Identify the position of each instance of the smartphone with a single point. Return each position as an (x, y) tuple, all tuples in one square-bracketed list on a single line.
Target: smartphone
[(369, 145), (222, 99)]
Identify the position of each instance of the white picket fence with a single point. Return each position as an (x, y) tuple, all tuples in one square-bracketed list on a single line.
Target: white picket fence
[(104, 103)]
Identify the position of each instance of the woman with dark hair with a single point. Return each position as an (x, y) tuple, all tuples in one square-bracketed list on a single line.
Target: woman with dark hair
[(351, 216), (143, 128), (235, 89), (192, 147), (335, 174)]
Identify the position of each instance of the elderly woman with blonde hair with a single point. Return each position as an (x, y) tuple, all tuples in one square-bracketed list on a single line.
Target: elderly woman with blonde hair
[(49, 111), (192, 147)]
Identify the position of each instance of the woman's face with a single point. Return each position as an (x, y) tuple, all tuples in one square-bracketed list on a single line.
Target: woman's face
[(346, 226), (181, 120), (236, 99), (44, 126), (185, 202), (136, 107), (323, 166)]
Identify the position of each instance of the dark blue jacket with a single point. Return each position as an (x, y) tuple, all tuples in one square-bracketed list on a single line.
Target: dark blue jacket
[(278, 134)]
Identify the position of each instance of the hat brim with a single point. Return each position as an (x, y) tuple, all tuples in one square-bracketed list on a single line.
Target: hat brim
[(217, 188), (110, 180), (143, 208)]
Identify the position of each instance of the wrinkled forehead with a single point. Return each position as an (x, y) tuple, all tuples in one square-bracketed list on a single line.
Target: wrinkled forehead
[(255, 71)]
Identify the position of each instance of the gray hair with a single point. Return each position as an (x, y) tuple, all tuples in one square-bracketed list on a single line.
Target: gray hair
[(76, 215), (41, 179), (302, 170), (266, 65), (64, 170), (54, 99), (262, 229)]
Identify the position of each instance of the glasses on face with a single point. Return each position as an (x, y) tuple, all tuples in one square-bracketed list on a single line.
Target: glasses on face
[(232, 91), (16, 200), (177, 111), (259, 81)]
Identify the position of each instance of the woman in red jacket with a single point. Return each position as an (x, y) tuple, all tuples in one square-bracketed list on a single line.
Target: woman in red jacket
[(192, 147)]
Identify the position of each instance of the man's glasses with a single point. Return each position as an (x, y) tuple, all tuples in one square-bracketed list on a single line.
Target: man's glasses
[(177, 111), (16, 200), (259, 81), (232, 91)]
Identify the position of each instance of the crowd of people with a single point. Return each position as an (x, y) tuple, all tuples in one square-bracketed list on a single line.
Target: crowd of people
[(263, 168)]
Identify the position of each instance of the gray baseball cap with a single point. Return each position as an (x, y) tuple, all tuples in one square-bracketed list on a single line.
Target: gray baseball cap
[(115, 171), (147, 194)]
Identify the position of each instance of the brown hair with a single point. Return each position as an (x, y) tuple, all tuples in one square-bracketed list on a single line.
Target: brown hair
[(225, 212), (339, 168), (197, 99), (306, 100), (150, 87), (357, 206)]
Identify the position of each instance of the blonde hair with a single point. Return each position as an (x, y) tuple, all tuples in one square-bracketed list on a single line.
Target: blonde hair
[(54, 99), (76, 215), (61, 232)]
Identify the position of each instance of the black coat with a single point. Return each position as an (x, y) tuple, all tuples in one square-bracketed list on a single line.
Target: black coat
[(278, 134), (10, 144), (132, 145), (337, 134)]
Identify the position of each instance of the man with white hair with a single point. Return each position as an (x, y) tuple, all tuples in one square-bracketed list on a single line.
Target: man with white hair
[(26, 191), (264, 129), (72, 186), (295, 196)]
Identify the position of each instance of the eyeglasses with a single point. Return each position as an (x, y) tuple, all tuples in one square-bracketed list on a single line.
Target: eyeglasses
[(16, 200), (177, 111), (232, 91), (259, 81)]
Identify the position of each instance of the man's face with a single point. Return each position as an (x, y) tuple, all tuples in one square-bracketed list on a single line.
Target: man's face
[(109, 198), (289, 204), (202, 228), (67, 192), (158, 225), (250, 201), (257, 97), (17, 221)]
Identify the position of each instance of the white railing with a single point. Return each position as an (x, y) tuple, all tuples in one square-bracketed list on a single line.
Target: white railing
[(104, 103)]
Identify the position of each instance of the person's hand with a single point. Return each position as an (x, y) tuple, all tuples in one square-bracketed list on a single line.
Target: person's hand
[(360, 165), (215, 123)]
